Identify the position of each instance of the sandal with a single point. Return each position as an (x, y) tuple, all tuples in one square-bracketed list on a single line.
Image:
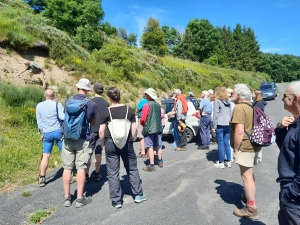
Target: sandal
[(140, 155)]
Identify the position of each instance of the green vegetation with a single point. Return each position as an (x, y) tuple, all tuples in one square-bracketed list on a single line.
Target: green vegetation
[(20, 149), (41, 215), (24, 193)]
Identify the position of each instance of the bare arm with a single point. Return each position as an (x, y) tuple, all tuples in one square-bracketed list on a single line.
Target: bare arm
[(238, 137), (101, 134), (133, 129), (22, 72)]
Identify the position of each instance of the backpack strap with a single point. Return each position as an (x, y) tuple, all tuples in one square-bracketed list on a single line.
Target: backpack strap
[(126, 113), (109, 113)]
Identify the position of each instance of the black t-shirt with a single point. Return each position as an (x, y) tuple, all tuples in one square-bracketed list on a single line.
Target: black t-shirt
[(117, 113), (102, 105)]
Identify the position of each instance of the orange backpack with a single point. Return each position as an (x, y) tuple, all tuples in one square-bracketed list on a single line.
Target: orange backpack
[(182, 98)]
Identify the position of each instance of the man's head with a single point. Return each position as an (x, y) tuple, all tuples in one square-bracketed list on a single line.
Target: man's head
[(98, 88), (191, 94), (49, 94), (240, 93), (27, 63), (150, 94), (83, 86), (176, 93), (291, 98), (204, 94)]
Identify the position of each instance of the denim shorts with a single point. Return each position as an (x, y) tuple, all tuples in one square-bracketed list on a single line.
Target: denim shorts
[(48, 141), (152, 141)]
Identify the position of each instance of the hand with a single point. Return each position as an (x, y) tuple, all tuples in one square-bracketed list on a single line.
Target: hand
[(286, 121), (41, 138), (213, 130)]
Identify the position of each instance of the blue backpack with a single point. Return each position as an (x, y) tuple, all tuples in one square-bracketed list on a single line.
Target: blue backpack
[(75, 123)]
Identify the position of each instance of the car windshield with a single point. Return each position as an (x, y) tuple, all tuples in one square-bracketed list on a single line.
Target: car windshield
[(265, 87)]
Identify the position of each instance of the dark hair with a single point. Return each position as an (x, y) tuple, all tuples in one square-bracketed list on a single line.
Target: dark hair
[(98, 88), (113, 93)]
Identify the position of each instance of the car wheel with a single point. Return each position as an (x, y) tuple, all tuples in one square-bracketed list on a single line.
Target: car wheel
[(189, 135)]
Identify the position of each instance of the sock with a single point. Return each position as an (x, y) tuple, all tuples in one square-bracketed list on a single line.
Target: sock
[(42, 176), (160, 160), (151, 165), (251, 203)]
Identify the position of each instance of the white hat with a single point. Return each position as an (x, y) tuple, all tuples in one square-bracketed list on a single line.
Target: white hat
[(151, 92), (84, 83), (211, 91), (229, 91)]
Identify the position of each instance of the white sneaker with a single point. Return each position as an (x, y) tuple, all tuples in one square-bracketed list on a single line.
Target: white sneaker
[(219, 165), (228, 164)]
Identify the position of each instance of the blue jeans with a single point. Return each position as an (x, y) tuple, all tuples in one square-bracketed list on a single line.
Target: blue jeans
[(205, 130), (175, 130), (223, 142), (48, 141)]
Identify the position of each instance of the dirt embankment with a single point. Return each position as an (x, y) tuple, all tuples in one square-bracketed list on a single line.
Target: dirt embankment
[(12, 63)]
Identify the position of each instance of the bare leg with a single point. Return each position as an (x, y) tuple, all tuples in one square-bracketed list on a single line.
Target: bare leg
[(142, 142), (98, 158), (66, 182), (151, 155), (80, 178), (44, 164), (158, 152), (248, 181)]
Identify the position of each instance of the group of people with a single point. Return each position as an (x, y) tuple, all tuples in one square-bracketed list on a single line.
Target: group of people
[(226, 112)]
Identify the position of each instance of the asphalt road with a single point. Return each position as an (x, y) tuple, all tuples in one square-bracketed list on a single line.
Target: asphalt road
[(187, 190)]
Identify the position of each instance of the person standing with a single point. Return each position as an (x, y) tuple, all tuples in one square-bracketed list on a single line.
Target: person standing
[(140, 136), (180, 110), (151, 120), (113, 153), (48, 114), (288, 141), (258, 101), (222, 115), (205, 112), (245, 153), (102, 105), (78, 152)]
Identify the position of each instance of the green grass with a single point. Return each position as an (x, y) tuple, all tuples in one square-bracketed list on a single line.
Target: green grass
[(39, 216), (24, 193)]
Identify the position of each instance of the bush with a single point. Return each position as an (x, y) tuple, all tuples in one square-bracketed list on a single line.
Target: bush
[(18, 40), (145, 82)]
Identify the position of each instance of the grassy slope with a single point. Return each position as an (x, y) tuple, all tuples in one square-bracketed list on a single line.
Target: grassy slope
[(131, 69)]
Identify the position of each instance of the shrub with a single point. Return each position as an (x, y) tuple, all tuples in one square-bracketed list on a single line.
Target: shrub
[(18, 40), (145, 82), (62, 90)]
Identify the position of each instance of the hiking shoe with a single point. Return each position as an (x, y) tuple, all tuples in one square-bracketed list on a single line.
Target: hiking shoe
[(68, 201), (180, 149), (116, 205), (97, 176), (227, 164), (42, 181), (219, 165), (247, 212), (243, 198), (203, 147), (83, 201), (160, 164), (73, 179), (140, 198), (149, 168)]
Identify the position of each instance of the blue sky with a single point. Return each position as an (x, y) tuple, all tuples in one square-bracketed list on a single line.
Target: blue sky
[(276, 23)]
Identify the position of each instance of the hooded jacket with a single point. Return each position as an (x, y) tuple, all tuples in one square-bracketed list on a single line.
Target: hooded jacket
[(260, 104), (222, 113), (288, 141)]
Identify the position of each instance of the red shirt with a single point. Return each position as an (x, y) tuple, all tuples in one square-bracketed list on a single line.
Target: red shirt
[(145, 113)]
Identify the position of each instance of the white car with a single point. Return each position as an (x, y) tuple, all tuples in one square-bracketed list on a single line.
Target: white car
[(192, 120)]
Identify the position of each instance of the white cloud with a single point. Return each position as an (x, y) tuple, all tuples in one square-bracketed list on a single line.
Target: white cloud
[(272, 50)]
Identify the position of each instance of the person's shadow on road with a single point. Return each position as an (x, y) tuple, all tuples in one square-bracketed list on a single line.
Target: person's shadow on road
[(212, 155), (230, 193), (93, 187)]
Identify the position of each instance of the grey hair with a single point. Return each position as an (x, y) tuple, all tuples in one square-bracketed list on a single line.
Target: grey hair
[(243, 90), (295, 88), (177, 91), (206, 93)]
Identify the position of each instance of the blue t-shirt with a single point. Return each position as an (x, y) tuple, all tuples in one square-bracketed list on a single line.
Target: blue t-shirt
[(91, 112), (206, 106), (140, 106)]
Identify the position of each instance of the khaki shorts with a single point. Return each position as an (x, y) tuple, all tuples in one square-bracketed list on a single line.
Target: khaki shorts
[(139, 129), (246, 159), (76, 152)]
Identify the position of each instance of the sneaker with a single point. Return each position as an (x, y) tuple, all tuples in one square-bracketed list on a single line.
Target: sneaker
[(97, 176), (140, 198), (83, 201), (180, 149), (243, 198), (42, 181), (68, 201), (203, 147), (228, 164), (247, 212), (160, 164), (219, 165), (116, 205), (73, 179), (149, 168)]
